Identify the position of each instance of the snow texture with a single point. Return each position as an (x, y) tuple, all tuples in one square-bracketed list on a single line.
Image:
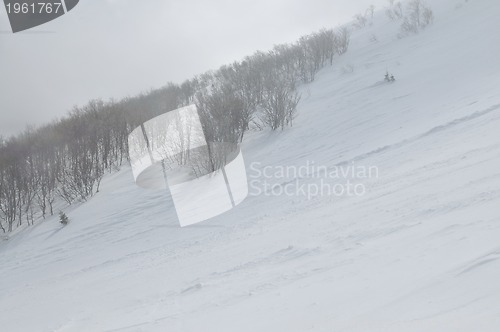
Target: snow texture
[(420, 251)]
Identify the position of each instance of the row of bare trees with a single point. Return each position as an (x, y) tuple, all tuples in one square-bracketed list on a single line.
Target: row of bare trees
[(65, 161)]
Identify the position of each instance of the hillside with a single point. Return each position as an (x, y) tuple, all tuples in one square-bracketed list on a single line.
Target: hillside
[(419, 251)]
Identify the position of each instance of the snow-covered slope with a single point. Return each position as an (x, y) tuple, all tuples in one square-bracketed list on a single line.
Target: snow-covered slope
[(420, 251)]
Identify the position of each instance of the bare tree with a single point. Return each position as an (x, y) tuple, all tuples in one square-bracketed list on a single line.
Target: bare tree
[(417, 18), (360, 20), (371, 11), (280, 104), (342, 40)]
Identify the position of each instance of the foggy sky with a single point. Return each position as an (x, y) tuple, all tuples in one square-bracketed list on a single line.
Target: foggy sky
[(116, 48)]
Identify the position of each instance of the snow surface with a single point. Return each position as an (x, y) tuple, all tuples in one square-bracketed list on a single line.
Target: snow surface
[(419, 252)]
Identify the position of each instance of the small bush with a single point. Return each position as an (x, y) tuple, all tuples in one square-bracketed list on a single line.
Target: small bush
[(389, 77), (63, 218)]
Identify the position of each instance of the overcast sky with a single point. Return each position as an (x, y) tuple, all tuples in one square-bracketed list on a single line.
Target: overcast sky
[(115, 48)]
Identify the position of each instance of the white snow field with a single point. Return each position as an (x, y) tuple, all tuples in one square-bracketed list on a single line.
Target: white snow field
[(420, 251)]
